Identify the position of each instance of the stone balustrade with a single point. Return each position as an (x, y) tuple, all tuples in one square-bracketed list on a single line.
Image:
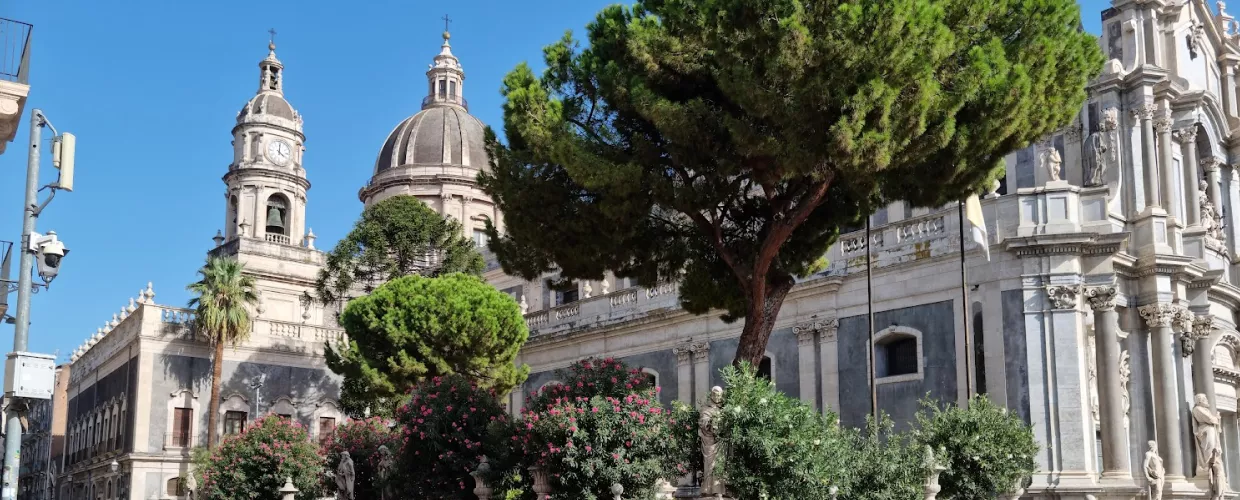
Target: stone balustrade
[(177, 323), (603, 309)]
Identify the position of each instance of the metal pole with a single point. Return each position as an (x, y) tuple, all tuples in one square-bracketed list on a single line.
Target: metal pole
[(964, 311), (869, 311), (13, 428)]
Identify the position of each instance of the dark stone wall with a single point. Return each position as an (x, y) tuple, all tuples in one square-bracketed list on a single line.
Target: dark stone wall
[(900, 400), (171, 373), (782, 348), (120, 382), (1015, 353)]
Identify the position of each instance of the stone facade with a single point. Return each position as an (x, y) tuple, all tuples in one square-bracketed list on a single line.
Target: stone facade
[(42, 443), (1107, 304)]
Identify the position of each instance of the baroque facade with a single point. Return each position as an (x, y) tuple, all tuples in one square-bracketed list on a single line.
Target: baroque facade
[(1107, 305)]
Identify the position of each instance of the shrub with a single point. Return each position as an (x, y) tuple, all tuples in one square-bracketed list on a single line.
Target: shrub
[(591, 377), (255, 463), (774, 445), (604, 425), (448, 425), (988, 448), (362, 439)]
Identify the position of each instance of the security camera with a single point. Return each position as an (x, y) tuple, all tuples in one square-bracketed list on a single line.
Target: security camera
[(50, 251)]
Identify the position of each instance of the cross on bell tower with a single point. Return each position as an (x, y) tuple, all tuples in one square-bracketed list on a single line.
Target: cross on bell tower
[(446, 20)]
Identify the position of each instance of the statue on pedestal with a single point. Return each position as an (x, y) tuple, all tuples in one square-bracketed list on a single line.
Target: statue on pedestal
[(707, 429), (1095, 159), (386, 463), (1218, 478), (191, 486), (1154, 472), (1206, 430), (344, 477), (1054, 164)]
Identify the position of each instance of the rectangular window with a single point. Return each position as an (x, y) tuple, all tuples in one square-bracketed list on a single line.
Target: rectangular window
[(234, 422), (514, 292), (181, 426), (568, 296), (327, 426), (452, 89), (480, 238), (443, 88)]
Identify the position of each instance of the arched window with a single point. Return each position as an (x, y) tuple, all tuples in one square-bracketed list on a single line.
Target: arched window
[(651, 376), (897, 354), (277, 215), (232, 215), (175, 487)]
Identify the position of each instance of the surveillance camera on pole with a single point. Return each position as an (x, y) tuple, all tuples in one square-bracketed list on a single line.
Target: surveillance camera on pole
[(50, 251)]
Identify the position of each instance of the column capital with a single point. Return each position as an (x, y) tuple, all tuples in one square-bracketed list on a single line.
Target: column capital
[(1186, 136), (804, 333), (1200, 328), (1209, 163), (1144, 111), (683, 355), (1101, 298), (827, 329), (701, 352), (1162, 124), (1162, 315), (1063, 296)]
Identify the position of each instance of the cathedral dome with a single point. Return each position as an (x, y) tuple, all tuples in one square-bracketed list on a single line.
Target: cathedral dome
[(440, 134)]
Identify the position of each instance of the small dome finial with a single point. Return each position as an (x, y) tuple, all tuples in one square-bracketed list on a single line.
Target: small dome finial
[(446, 20), (271, 42)]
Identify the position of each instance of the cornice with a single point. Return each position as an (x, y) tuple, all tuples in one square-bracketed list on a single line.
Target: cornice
[(245, 171), (1066, 244)]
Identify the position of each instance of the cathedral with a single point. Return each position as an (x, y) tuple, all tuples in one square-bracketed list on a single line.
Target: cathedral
[(1102, 312)]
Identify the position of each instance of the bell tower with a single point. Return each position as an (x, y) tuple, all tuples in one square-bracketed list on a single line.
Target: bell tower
[(265, 204), (266, 184)]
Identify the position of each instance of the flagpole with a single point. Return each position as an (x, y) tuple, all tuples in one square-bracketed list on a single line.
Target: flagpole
[(964, 310), (869, 311)]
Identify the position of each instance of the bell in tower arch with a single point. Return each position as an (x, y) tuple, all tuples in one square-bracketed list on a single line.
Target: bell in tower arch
[(276, 215)]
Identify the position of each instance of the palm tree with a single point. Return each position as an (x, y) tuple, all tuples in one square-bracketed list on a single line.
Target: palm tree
[(222, 313)]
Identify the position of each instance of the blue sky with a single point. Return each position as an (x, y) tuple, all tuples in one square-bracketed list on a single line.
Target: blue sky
[(151, 88)]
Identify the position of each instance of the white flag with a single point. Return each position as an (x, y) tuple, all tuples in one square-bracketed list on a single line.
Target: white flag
[(973, 214)]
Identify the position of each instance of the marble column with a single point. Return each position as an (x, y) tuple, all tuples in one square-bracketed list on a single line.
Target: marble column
[(1214, 177), (829, 364), (1187, 137), (1110, 384), (701, 371), (1166, 394), (684, 374), (1229, 87), (1233, 216), (1149, 157), (806, 363), (1170, 196), (1195, 342)]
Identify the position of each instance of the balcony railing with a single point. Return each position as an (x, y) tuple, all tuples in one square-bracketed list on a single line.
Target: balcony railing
[(277, 238), (426, 101), (15, 51)]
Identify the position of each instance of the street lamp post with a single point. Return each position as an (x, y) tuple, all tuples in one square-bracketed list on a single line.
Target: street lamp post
[(22, 365), (257, 385)]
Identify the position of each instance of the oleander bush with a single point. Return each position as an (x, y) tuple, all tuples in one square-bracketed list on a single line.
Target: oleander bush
[(362, 439), (256, 462)]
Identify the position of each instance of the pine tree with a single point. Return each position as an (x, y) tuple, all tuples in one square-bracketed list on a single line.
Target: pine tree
[(723, 143)]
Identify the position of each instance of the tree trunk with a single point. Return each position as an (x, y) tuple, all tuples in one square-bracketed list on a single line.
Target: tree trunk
[(759, 320), (217, 369)]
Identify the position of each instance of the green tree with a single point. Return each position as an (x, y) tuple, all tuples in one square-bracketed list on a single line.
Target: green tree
[(224, 294), (722, 143), (399, 236), (414, 328)]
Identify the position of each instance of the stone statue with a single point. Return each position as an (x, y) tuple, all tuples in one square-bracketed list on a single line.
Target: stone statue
[(344, 477), (1095, 159), (191, 486), (1218, 478), (707, 430), (385, 469), (1206, 430), (1054, 163), (1154, 472)]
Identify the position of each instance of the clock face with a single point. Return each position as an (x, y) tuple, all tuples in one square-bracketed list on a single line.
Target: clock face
[(279, 152)]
